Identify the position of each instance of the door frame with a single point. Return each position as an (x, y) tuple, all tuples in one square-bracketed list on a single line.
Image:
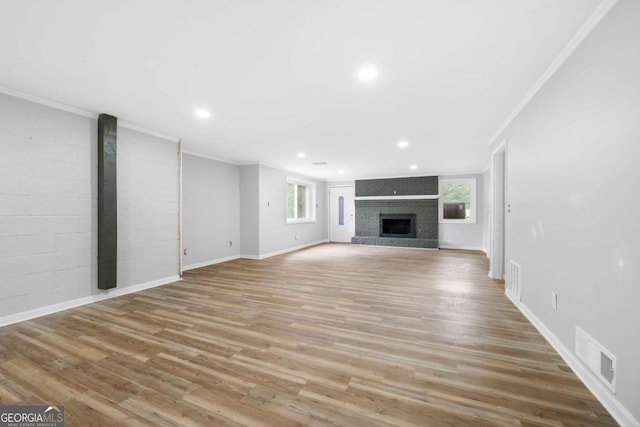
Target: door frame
[(329, 187), (499, 209)]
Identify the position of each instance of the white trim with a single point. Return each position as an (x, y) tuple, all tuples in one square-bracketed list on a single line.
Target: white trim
[(462, 248), (599, 390), (268, 165), (217, 159), (284, 251), (310, 201), (66, 305), (596, 16), (409, 197), (253, 257), (212, 262), (180, 212), (148, 131), (300, 221), (498, 223), (473, 185), (80, 112), (420, 175), (48, 103)]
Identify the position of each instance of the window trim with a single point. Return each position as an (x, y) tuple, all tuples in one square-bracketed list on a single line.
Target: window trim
[(472, 194), (311, 201)]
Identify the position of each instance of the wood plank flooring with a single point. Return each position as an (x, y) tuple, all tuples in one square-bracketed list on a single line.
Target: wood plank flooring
[(331, 335)]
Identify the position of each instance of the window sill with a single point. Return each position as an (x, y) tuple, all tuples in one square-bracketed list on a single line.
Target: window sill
[(457, 221), (300, 221)]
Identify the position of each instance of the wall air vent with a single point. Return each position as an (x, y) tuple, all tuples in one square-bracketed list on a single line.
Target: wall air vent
[(513, 282), (600, 360)]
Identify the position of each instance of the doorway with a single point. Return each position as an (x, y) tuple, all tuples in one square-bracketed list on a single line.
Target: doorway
[(342, 224)]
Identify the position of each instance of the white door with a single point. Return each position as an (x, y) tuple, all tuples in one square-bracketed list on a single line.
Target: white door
[(342, 221)]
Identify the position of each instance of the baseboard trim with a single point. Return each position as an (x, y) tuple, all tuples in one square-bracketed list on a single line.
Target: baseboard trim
[(284, 251), (208, 263), (608, 400), (293, 249), (66, 305), (462, 248)]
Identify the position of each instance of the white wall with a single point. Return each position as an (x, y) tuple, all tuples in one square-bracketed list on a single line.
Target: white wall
[(147, 208), (465, 236), (48, 208), (249, 211), (210, 211), (275, 234), (573, 181)]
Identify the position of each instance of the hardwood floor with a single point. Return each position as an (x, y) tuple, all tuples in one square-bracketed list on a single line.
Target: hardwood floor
[(332, 335)]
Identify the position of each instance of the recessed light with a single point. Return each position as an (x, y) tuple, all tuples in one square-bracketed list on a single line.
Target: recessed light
[(301, 155), (368, 74), (403, 144), (413, 167), (203, 114), (341, 172)]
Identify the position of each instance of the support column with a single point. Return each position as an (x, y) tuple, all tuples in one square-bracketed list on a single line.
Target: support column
[(107, 202)]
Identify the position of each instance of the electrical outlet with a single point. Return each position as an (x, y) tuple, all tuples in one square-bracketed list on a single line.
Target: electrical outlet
[(554, 300)]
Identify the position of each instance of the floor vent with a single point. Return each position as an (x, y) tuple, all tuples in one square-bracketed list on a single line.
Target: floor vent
[(597, 358), (514, 281)]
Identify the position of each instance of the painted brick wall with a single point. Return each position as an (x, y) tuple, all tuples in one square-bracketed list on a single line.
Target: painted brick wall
[(368, 211), (147, 208), (48, 205), (418, 185), (368, 216)]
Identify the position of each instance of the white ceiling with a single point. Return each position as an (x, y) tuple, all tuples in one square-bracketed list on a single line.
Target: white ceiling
[(279, 76)]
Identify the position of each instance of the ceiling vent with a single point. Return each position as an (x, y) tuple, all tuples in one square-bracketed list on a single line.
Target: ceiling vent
[(320, 163)]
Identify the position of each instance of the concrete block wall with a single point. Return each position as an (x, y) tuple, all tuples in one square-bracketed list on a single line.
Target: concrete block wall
[(148, 208), (48, 207)]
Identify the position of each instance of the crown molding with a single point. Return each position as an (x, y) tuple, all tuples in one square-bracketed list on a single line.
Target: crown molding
[(594, 19), (80, 112), (149, 132), (48, 103), (204, 156)]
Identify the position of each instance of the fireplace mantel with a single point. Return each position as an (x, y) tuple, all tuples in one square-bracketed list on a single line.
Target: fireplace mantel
[(410, 197)]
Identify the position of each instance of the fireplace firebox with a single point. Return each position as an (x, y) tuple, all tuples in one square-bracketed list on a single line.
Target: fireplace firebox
[(398, 225)]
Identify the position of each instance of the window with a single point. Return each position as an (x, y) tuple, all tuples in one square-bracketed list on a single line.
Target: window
[(299, 202), (458, 200)]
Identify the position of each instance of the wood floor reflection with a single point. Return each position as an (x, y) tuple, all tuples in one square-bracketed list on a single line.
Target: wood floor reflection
[(331, 335)]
